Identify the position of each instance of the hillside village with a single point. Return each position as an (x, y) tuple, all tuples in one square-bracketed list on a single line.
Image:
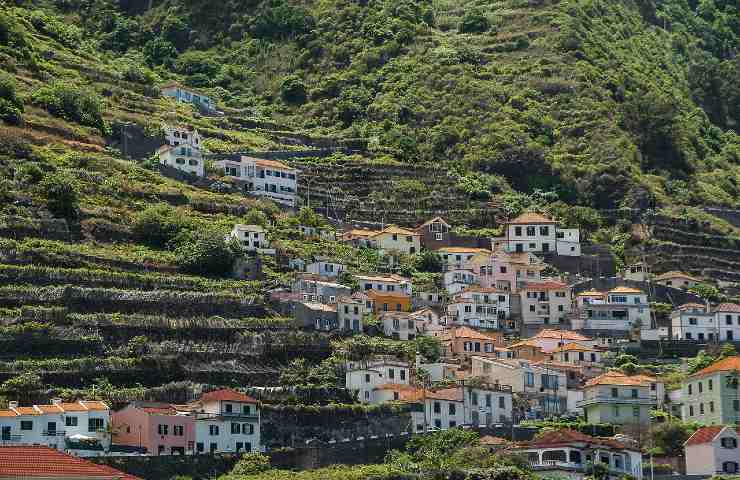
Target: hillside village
[(196, 292)]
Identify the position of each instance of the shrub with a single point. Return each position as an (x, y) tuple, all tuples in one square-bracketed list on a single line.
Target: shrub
[(11, 107), (278, 19), (474, 22), (159, 51), (251, 464), (158, 225), (204, 252), (293, 90), (61, 195), (197, 62), (73, 103), (67, 34)]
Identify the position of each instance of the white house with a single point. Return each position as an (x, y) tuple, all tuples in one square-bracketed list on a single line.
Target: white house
[(79, 428), (637, 272), (544, 389), (363, 378), (384, 283), (456, 280), (351, 312), (252, 238), (621, 309), (728, 321), (545, 303), (572, 454), (480, 307), (713, 450), (458, 257), (188, 95), (677, 280), (325, 267), (264, 178), (694, 321), (533, 232), (184, 158), (399, 325), (226, 421)]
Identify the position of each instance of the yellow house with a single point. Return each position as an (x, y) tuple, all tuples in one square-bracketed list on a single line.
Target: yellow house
[(394, 239)]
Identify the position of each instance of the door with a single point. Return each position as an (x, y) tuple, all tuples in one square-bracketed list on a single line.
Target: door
[(6, 434), (519, 247)]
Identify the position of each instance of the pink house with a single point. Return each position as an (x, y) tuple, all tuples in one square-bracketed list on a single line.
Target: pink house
[(506, 271), (158, 427)]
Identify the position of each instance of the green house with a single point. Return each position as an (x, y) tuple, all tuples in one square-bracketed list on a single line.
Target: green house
[(711, 396)]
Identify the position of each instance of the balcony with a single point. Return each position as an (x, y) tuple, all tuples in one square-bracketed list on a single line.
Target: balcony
[(10, 438), (53, 433), (617, 400)]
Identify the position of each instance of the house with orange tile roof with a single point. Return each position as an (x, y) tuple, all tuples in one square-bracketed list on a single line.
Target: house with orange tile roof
[(677, 279), (619, 311), (156, 428), (506, 270), (394, 240), (572, 454), (711, 396), (617, 398), (550, 339), (465, 342), (534, 232), (713, 450), (226, 421), (477, 307), (43, 463), (390, 283), (78, 427), (261, 177), (546, 302), (577, 354), (458, 257), (528, 350)]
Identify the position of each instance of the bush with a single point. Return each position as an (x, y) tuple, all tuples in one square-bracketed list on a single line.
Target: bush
[(159, 51), (474, 22), (61, 195), (251, 464), (197, 62), (73, 103), (277, 19), (204, 252), (65, 33), (293, 90), (11, 107), (158, 225)]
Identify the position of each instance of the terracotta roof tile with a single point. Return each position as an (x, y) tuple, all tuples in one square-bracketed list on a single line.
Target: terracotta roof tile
[(560, 334), (615, 377), (50, 408), (547, 285), (492, 441), (448, 394), (531, 217), (574, 347), (728, 307), (261, 162), (725, 365), (467, 332), (73, 407), (95, 405), (37, 461), (675, 274), (228, 395), (8, 413), (26, 411), (706, 435), (463, 250), (566, 437), (395, 229), (626, 290), (591, 293)]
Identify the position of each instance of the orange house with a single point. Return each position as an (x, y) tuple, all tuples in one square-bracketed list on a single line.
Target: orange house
[(389, 301), (528, 350), (466, 342)]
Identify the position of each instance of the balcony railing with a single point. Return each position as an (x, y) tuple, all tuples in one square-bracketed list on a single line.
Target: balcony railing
[(11, 438), (53, 433)]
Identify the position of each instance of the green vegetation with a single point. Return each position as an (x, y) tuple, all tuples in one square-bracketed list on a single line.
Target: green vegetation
[(72, 103)]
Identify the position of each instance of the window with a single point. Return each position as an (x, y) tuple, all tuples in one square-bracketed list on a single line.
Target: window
[(709, 385), (531, 231), (690, 389), (728, 319), (616, 410), (700, 387), (199, 447), (518, 231), (213, 430), (391, 373), (545, 231), (160, 450), (529, 379), (163, 429), (437, 407), (634, 393), (501, 402), (178, 430), (26, 425), (453, 424), (367, 378), (403, 374), (736, 405), (452, 408), (438, 423), (214, 447), (228, 407), (615, 392), (95, 424), (438, 237), (236, 428), (247, 429), (636, 412), (711, 407), (71, 421), (691, 410), (729, 442), (701, 409)]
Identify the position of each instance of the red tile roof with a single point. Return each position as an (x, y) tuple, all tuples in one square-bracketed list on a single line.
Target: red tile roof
[(560, 334), (467, 332), (448, 394), (725, 365), (728, 307), (531, 217), (616, 377), (546, 285), (564, 437), (706, 435), (228, 395), (37, 461)]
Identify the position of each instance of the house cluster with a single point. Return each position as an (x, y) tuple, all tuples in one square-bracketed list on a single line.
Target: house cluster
[(221, 421)]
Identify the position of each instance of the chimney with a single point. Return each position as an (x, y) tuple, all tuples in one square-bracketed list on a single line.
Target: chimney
[(13, 404), (56, 401)]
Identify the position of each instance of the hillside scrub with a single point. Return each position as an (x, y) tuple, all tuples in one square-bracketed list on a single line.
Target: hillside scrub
[(72, 103)]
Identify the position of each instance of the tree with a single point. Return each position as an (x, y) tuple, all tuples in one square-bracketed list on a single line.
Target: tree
[(159, 51), (669, 437), (428, 261), (474, 21), (251, 464), (429, 347), (702, 360), (61, 195), (204, 252), (293, 90), (625, 358), (158, 225), (432, 452)]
